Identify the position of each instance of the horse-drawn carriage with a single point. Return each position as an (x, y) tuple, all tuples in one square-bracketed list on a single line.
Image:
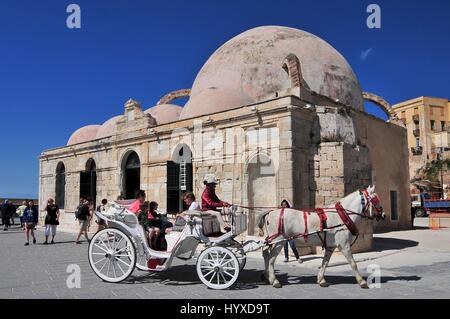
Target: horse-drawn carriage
[(115, 251)]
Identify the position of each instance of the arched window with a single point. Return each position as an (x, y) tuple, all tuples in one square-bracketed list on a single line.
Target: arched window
[(88, 181), (60, 185), (131, 171)]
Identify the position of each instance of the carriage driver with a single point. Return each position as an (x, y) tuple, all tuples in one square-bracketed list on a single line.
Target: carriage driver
[(210, 201)]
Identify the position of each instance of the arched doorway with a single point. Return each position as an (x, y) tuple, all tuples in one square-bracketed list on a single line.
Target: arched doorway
[(60, 185), (179, 178), (88, 181), (131, 175), (261, 187)]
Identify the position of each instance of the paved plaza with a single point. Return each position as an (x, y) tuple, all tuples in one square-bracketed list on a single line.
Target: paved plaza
[(413, 264)]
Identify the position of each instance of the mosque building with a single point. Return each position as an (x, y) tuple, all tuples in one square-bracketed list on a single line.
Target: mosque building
[(275, 113)]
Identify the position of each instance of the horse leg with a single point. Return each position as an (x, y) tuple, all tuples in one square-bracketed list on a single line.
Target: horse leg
[(347, 252), (325, 261), (275, 251), (266, 256)]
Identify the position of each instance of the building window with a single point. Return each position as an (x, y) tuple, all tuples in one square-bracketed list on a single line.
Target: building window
[(60, 186), (442, 125), (403, 115), (432, 125), (394, 206), (131, 175), (417, 142)]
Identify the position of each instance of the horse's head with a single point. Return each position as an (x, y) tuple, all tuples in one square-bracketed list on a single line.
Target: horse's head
[(373, 203)]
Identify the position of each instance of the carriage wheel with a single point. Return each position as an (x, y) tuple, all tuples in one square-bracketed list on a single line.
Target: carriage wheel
[(112, 255), (218, 267)]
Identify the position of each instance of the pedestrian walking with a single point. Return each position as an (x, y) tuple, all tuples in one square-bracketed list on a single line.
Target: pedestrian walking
[(13, 214), (6, 210), (83, 214), (30, 218), (51, 220), (286, 204), (20, 211)]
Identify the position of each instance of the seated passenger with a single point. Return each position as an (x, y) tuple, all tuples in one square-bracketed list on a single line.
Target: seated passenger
[(189, 200), (160, 224), (136, 205), (210, 201), (144, 221)]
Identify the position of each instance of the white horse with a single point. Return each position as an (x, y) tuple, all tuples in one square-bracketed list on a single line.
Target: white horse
[(310, 229)]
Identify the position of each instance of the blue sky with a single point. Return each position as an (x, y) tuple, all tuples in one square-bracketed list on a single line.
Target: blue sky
[(54, 80)]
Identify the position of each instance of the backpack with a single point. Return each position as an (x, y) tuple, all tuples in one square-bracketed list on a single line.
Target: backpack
[(79, 212)]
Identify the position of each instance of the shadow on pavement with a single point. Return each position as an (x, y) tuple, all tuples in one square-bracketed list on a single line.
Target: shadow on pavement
[(381, 244), (285, 279), (183, 275)]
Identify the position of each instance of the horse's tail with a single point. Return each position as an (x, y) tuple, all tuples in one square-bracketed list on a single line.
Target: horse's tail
[(260, 220)]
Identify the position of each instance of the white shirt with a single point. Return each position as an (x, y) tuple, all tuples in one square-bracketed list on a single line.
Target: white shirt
[(194, 206)]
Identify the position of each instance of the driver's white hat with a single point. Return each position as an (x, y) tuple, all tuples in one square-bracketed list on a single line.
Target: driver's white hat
[(210, 179)]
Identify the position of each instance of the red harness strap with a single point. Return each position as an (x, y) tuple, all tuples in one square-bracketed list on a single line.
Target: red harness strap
[(323, 218), (346, 219), (281, 228)]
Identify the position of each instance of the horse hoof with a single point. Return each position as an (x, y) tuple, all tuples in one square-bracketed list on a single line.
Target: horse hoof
[(364, 285), (324, 284), (277, 285)]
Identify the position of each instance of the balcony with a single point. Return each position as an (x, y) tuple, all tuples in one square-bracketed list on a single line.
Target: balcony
[(416, 132), (417, 150)]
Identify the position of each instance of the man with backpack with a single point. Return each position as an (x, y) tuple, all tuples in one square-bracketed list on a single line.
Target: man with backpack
[(83, 214)]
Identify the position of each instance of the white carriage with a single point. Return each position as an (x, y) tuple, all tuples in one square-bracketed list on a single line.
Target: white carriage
[(114, 252)]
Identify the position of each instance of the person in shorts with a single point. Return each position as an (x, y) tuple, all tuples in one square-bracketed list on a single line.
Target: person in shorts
[(30, 220), (84, 219)]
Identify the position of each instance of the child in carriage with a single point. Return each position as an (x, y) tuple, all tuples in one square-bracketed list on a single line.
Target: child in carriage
[(154, 224)]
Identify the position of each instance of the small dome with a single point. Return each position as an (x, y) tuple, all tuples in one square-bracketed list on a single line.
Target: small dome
[(165, 113), (84, 134), (252, 62), (214, 100), (108, 128)]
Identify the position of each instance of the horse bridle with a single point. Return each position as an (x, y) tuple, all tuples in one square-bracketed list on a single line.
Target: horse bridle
[(374, 201)]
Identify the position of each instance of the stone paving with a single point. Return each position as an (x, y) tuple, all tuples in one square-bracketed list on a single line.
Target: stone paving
[(40, 272)]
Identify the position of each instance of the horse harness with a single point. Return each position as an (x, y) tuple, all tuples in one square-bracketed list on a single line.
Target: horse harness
[(343, 213)]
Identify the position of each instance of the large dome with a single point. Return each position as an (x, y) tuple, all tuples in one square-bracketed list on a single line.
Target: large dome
[(108, 128), (165, 113), (251, 64), (214, 100), (84, 134)]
